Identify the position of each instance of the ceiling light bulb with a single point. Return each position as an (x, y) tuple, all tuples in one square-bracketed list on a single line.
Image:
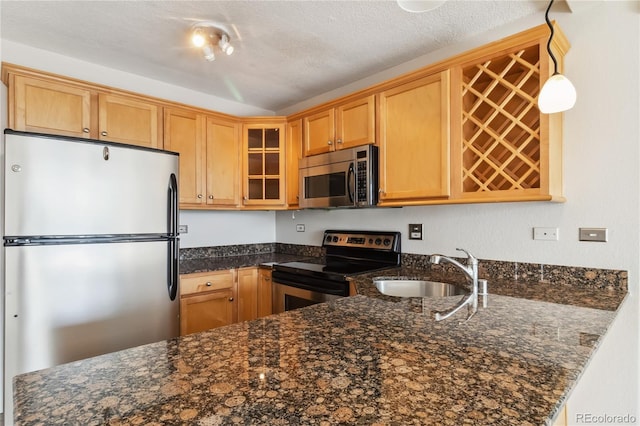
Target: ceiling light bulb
[(224, 44), (198, 39), (558, 94), (208, 53)]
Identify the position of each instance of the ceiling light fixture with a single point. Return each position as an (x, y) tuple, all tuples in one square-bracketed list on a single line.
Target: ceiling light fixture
[(418, 6), (558, 93), (206, 36)]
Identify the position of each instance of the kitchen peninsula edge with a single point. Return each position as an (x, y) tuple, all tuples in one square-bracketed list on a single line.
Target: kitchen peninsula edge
[(368, 359)]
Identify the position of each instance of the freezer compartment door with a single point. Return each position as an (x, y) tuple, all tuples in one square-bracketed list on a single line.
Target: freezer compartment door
[(69, 302), (57, 186)]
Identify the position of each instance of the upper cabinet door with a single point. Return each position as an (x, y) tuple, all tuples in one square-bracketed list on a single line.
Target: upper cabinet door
[(50, 107), (319, 131), (184, 133), (294, 155), (356, 123), (263, 164), (414, 141), (223, 162), (128, 120)]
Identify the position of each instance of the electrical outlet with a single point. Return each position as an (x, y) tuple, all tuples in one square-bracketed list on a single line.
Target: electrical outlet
[(549, 234), (183, 229), (300, 228), (415, 231)]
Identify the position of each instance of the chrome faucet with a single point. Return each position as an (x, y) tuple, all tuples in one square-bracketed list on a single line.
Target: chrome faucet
[(471, 271)]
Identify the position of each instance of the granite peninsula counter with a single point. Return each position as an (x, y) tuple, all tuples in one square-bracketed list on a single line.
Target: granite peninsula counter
[(359, 360)]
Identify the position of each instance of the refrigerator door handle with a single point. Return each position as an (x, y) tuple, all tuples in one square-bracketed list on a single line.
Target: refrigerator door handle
[(174, 246)]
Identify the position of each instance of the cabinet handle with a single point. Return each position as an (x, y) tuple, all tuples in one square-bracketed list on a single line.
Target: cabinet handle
[(103, 133), (199, 195), (339, 141), (208, 284), (267, 279), (231, 299), (211, 197), (85, 130), (329, 143)]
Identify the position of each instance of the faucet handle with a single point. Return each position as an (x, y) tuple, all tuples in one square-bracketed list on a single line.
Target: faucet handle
[(470, 257)]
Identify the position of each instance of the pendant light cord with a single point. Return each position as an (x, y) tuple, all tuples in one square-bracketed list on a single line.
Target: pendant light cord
[(553, 58)]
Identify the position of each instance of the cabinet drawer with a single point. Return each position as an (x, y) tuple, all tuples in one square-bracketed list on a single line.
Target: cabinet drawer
[(206, 281)]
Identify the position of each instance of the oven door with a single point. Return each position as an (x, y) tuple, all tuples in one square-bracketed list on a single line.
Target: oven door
[(287, 298), (328, 185)]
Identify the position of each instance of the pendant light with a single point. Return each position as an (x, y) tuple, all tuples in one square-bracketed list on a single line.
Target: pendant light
[(557, 94)]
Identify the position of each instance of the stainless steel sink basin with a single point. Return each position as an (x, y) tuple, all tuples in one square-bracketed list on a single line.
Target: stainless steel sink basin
[(416, 288)]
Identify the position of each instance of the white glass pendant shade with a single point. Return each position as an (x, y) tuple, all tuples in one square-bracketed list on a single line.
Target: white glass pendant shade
[(557, 95), (417, 6)]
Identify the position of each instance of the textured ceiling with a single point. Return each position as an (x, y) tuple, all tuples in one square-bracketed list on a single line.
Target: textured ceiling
[(285, 51)]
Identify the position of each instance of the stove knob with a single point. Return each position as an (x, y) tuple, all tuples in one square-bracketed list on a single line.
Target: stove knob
[(378, 241), (387, 241), (370, 240), (328, 238), (335, 239)]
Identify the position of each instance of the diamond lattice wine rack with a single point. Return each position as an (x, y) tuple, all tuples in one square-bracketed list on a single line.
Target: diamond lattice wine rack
[(506, 149)]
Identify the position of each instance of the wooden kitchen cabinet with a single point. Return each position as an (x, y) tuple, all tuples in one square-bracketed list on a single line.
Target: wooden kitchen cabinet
[(414, 141), (128, 120), (247, 293), (49, 105), (294, 155), (503, 147), (209, 157), (207, 300), (344, 126), (263, 168), (44, 106), (223, 162), (184, 132), (265, 306)]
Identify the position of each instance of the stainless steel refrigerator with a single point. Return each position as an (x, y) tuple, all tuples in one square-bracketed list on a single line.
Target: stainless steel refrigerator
[(90, 250)]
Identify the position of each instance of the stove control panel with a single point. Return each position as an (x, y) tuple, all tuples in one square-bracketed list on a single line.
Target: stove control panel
[(378, 240)]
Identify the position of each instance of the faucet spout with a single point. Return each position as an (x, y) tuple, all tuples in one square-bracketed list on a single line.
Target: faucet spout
[(471, 272)]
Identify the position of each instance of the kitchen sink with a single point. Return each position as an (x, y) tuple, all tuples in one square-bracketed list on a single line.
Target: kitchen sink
[(392, 286)]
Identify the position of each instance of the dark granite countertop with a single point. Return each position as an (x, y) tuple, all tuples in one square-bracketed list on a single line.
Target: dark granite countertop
[(218, 263), (359, 360)]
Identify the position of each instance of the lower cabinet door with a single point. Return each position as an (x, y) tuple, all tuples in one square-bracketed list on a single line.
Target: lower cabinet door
[(204, 311)]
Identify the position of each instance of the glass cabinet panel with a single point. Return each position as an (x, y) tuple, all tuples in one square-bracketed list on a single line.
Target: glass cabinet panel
[(264, 184)]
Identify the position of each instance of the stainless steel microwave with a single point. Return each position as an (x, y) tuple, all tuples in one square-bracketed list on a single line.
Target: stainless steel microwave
[(343, 178)]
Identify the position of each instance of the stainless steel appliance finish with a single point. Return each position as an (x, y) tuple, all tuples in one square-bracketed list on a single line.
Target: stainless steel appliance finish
[(300, 284), (343, 178), (90, 250)]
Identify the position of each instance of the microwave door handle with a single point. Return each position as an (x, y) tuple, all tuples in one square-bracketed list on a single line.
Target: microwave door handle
[(351, 183)]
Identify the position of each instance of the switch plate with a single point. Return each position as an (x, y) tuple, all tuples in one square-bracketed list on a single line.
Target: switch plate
[(183, 229), (300, 228), (549, 234), (594, 234), (415, 231)]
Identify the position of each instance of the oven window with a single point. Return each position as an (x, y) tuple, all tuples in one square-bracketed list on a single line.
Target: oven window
[(327, 185), (293, 302)]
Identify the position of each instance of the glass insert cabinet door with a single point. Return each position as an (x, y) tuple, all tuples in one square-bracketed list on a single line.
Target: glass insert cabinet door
[(264, 164)]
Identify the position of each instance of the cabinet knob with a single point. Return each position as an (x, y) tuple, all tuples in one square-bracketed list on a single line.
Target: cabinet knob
[(103, 133), (85, 130), (231, 299), (211, 197), (267, 279), (199, 195), (208, 284), (339, 141), (329, 142)]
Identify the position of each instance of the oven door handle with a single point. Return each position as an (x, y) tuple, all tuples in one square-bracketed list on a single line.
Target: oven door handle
[(351, 183), (318, 285)]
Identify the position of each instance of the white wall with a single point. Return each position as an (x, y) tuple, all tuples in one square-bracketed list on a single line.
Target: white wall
[(3, 125), (602, 186), (221, 228)]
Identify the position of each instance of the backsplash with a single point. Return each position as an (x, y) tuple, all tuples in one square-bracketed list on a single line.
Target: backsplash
[(492, 270)]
